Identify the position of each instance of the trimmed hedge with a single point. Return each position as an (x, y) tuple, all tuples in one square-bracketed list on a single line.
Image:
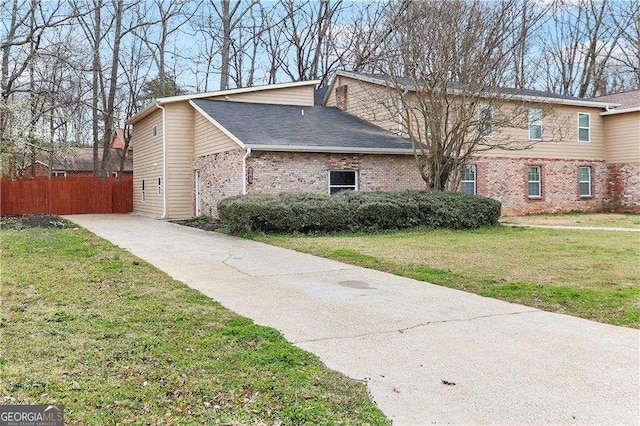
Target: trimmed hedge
[(356, 211)]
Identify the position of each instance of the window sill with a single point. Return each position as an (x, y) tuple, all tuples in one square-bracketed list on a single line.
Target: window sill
[(586, 197), (535, 197)]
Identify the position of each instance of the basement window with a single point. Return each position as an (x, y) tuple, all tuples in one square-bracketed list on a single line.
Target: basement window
[(59, 173), (144, 198), (342, 180), (154, 131), (159, 186)]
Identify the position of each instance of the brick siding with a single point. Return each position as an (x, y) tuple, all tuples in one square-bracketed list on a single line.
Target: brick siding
[(615, 187), (506, 180), (624, 187), (220, 177), (275, 172)]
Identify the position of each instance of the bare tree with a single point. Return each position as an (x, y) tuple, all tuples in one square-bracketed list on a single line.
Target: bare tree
[(443, 68), (23, 27), (312, 33), (625, 60), (578, 47)]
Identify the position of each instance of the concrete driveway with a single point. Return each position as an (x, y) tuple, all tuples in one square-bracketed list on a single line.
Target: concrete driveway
[(510, 363)]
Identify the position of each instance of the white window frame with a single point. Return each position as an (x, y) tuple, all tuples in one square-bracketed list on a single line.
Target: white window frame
[(580, 182), (154, 131), (346, 187), (114, 175), (59, 173), (144, 195), (535, 122), (539, 182), (481, 124), (588, 128), (474, 181), (159, 185)]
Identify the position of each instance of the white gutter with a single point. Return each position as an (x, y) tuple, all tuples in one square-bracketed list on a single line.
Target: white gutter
[(620, 111), (164, 160), (244, 171)]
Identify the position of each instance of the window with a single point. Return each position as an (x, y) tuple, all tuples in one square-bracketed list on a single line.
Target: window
[(159, 186), (535, 181), (114, 174), (144, 198), (469, 180), (154, 131), (485, 118), (342, 180), (585, 181), (584, 127), (535, 123), (59, 173)]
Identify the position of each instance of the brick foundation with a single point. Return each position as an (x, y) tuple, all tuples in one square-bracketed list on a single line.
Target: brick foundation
[(624, 187), (220, 177), (275, 172)]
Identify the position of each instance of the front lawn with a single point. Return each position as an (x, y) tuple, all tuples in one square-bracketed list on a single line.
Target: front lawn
[(590, 274), (609, 220), (87, 325)]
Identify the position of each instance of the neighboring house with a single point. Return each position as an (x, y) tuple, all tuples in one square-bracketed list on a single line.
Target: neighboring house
[(118, 141), (194, 150), (78, 161)]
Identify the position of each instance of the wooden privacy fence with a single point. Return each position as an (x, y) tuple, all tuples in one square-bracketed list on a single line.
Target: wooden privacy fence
[(66, 196)]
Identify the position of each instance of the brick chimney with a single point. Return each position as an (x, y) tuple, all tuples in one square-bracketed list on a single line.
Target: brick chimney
[(341, 97)]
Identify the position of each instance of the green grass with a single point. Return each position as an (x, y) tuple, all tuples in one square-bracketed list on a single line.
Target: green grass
[(590, 274), (89, 326)]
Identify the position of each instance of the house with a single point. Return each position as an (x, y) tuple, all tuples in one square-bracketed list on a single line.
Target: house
[(193, 150), (78, 162), (622, 139)]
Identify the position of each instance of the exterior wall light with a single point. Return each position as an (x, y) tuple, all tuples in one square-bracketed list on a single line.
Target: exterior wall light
[(249, 175)]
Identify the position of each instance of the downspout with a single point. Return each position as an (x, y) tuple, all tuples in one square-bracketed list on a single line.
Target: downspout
[(164, 160), (244, 171)]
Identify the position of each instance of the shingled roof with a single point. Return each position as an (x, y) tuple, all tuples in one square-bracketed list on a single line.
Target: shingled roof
[(629, 99), (506, 92), (271, 127)]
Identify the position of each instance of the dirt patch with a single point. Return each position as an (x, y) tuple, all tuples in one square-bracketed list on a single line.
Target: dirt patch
[(34, 221), (204, 223)]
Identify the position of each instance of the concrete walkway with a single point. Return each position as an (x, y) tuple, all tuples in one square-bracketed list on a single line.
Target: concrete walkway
[(511, 364)]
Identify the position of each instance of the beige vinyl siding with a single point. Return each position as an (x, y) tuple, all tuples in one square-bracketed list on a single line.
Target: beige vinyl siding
[(300, 95), (179, 181), (368, 101), (208, 139), (560, 136), (623, 137), (147, 164), (331, 93)]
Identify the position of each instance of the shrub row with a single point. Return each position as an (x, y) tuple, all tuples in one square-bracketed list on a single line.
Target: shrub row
[(354, 211)]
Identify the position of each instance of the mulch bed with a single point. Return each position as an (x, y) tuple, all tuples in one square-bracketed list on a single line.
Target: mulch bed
[(205, 224), (34, 221)]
